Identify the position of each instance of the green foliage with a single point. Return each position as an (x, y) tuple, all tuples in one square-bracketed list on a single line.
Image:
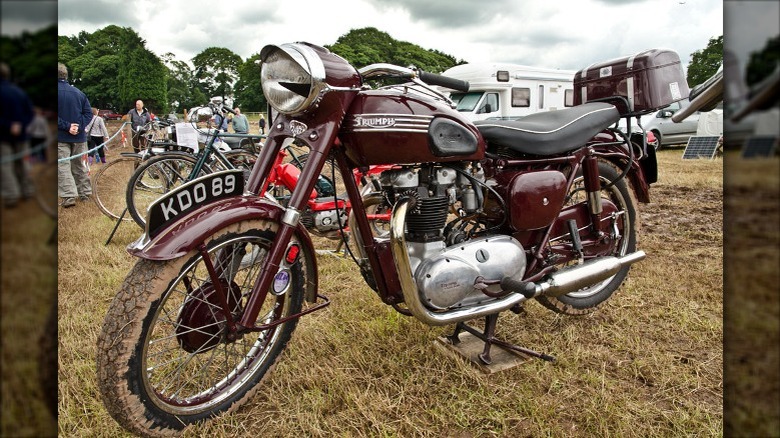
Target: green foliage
[(705, 62), (216, 69), (113, 67), (31, 57), (143, 76), (369, 45), (763, 62), (248, 90)]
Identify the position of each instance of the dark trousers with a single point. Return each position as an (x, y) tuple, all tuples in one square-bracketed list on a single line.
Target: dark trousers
[(100, 152)]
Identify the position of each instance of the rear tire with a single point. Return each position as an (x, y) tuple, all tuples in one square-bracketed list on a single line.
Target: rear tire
[(163, 360), (586, 300)]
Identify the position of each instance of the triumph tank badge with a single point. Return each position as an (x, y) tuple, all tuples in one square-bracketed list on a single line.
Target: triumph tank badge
[(297, 128), (374, 122)]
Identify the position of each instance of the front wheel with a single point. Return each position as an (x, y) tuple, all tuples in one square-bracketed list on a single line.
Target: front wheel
[(164, 358), (588, 299)]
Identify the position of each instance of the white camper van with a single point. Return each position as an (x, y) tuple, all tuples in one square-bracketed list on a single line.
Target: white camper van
[(511, 91)]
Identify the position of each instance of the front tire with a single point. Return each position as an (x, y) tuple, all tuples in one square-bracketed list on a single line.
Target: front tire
[(586, 300), (164, 361)]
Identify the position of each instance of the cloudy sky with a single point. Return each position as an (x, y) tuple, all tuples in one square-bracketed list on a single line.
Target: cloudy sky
[(567, 34), (564, 34)]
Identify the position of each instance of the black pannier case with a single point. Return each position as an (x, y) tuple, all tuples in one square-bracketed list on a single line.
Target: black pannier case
[(648, 81)]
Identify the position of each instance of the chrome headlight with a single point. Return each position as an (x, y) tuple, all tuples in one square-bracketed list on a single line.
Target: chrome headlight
[(293, 77)]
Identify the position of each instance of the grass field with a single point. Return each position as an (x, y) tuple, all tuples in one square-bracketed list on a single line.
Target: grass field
[(649, 363)]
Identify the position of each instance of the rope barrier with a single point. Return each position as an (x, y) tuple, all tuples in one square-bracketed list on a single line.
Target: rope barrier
[(22, 155), (73, 157)]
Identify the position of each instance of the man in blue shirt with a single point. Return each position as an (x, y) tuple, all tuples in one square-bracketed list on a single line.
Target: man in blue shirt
[(16, 112), (73, 115)]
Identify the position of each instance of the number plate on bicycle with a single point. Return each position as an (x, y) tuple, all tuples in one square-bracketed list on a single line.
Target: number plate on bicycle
[(194, 194)]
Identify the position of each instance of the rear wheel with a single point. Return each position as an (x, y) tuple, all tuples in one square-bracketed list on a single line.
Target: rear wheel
[(588, 299), (164, 358), (156, 177)]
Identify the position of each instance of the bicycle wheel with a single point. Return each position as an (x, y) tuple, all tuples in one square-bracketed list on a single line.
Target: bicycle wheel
[(109, 186), (156, 177), (239, 160)]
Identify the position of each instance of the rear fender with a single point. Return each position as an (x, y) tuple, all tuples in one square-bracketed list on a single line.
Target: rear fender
[(187, 233)]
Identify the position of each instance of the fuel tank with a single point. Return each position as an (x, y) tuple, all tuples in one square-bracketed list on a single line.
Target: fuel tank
[(400, 126)]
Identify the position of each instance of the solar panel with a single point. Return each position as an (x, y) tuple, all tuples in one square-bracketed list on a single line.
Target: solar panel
[(703, 146), (759, 147)]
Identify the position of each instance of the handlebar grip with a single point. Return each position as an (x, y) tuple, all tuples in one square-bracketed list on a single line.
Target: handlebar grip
[(444, 81)]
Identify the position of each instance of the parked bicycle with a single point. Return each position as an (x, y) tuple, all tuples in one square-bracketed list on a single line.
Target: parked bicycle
[(110, 181), (168, 170)]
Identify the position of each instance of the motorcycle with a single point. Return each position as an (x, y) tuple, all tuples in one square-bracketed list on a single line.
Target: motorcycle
[(484, 217)]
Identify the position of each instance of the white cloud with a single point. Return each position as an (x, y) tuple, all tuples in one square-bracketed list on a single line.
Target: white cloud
[(563, 34)]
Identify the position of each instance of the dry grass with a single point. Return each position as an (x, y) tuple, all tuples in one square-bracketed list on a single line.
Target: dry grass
[(649, 363), (751, 297), (28, 291)]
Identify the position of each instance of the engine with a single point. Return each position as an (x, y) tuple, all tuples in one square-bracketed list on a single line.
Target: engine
[(455, 260)]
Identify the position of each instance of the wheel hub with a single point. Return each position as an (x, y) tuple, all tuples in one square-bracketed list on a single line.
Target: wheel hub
[(201, 322)]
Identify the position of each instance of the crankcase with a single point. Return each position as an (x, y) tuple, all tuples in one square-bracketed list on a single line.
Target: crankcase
[(448, 280)]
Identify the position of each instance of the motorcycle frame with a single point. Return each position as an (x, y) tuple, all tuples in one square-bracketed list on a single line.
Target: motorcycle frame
[(319, 131)]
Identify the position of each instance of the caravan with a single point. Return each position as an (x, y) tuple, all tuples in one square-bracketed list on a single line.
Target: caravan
[(510, 91)]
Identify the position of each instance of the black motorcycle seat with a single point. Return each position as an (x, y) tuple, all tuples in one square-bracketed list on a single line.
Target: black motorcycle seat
[(550, 132)]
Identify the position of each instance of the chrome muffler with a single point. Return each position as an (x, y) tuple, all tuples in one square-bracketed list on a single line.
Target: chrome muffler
[(567, 280)]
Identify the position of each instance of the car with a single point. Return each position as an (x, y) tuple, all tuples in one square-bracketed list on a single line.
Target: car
[(666, 131), (109, 115)]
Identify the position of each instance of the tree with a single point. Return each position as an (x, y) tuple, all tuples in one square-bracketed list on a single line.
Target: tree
[(369, 45), (216, 69), (248, 90), (30, 56), (705, 62), (763, 62), (143, 76), (113, 67)]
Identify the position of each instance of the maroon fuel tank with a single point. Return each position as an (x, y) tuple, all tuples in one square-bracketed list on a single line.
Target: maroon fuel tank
[(393, 126)]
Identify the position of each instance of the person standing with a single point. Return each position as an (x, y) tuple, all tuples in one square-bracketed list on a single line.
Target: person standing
[(262, 125), (98, 134), (40, 135), (16, 113), (240, 122), (73, 115), (138, 118)]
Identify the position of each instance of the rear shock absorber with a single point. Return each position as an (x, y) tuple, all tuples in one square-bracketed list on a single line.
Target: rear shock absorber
[(590, 173)]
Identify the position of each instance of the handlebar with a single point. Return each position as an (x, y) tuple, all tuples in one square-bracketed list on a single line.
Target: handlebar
[(444, 81), (394, 71)]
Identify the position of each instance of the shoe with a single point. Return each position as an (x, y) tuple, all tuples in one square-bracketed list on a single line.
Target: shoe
[(11, 203), (68, 202), (84, 197)]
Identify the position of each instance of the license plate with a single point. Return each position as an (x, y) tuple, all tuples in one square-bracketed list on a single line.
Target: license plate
[(189, 196)]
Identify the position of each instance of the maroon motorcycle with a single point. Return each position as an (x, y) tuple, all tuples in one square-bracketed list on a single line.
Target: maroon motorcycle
[(485, 217)]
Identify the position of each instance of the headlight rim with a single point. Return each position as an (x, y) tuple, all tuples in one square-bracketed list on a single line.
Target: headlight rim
[(314, 67)]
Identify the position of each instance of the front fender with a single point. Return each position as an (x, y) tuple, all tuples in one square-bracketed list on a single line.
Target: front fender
[(188, 232), (184, 235)]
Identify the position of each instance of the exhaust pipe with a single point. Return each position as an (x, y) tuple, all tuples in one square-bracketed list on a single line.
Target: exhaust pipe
[(567, 280), (573, 278)]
